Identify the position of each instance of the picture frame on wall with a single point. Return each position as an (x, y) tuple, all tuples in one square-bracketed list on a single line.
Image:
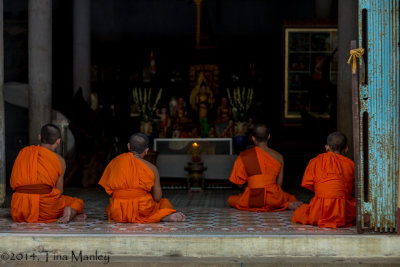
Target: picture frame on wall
[(310, 71)]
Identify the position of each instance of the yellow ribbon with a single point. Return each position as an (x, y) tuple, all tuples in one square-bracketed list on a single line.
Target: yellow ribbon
[(355, 53)]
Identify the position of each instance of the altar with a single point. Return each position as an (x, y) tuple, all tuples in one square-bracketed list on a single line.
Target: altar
[(173, 154)]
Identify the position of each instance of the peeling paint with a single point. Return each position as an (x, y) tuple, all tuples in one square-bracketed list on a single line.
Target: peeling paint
[(380, 98)]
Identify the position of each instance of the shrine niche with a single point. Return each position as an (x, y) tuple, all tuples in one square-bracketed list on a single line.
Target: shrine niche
[(210, 72), (201, 98)]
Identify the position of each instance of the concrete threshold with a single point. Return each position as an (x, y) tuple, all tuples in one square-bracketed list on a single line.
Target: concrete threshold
[(206, 249)]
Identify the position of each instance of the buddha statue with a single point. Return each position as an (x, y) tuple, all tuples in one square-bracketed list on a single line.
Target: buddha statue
[(201, 98)]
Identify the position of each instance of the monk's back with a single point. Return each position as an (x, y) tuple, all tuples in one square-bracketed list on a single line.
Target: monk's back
[(127, 172), (331, 177), (259, 168), (129, 180), (269, 162), (330, 167), (33, 178), (35, 165)]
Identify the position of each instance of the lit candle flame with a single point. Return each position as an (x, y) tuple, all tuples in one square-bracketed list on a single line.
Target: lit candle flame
[(195, 152)]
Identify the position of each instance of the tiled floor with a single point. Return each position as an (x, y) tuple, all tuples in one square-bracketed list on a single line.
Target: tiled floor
[(180, 198), (207, 213), (218, 221)]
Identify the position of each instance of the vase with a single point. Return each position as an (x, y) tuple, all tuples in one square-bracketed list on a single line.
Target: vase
[(240, 128), (146, 127), (239, 142), (240, 138)]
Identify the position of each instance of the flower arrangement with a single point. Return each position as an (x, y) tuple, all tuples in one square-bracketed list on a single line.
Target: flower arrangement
[(143, 101), (240, 102)]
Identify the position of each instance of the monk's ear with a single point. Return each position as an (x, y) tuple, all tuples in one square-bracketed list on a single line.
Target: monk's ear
[(58, 141), (253, 138), (346, 149), (269, 136), (40, 138), (146, 151), (129, 146), (327, 148)]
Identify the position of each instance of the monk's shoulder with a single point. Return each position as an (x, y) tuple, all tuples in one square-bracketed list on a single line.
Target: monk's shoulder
[(150, 165), (318, 159), (60, 158), (27, 149), (124, 157), (346, 160), (275, 154)]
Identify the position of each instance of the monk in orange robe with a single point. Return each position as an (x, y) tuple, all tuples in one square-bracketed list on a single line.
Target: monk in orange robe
[(37, 178), (331, 176), (261, 168), (134, 186)]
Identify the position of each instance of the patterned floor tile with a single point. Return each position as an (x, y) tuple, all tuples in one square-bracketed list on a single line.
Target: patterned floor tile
[(207, 213), (200, 221)]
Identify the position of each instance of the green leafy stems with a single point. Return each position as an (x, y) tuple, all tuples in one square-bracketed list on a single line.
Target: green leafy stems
[(240, 102), (142, 99)]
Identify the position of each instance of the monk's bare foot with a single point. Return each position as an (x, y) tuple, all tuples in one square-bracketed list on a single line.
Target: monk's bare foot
[(299, 203), (66, 215), (80, 218), (175, 217), (294, 205), (183, 216)]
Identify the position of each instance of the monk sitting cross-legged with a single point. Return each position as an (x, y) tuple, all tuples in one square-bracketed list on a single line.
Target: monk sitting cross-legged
[(262, 169), (37, 178), (134, 186), (331, 176)]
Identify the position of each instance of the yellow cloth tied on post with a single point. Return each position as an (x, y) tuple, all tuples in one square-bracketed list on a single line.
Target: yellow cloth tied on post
[(355, 53)]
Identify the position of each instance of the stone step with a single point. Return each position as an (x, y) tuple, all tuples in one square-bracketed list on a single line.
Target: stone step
[(190, 250)]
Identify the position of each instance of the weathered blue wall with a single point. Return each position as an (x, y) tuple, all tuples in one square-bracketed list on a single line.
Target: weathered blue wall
[(380, 106)]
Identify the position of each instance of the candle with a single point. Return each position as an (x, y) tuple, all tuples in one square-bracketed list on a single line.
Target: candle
[(195, 152)]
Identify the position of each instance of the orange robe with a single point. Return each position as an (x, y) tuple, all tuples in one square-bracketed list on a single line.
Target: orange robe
[(331, 177), (129, 182), (262, 192), (38, 166)]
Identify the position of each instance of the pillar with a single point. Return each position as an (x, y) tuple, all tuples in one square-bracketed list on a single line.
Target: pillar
[(198, 21), (2, 128), (81, 47), (347, 31), (40, 65)]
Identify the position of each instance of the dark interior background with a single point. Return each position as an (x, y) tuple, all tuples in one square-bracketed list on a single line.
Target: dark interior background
[(125, 32)]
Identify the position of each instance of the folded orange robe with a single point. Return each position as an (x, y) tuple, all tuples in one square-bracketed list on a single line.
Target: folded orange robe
[(34, 169), (129, 182), (262, 193), (331, 177)]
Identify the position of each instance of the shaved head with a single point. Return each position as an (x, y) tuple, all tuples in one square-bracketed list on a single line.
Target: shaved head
[(138, 143), (261, 133), (49, 134), (337, 142)]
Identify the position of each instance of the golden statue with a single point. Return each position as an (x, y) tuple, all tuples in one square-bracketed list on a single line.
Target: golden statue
[(201, 97)]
